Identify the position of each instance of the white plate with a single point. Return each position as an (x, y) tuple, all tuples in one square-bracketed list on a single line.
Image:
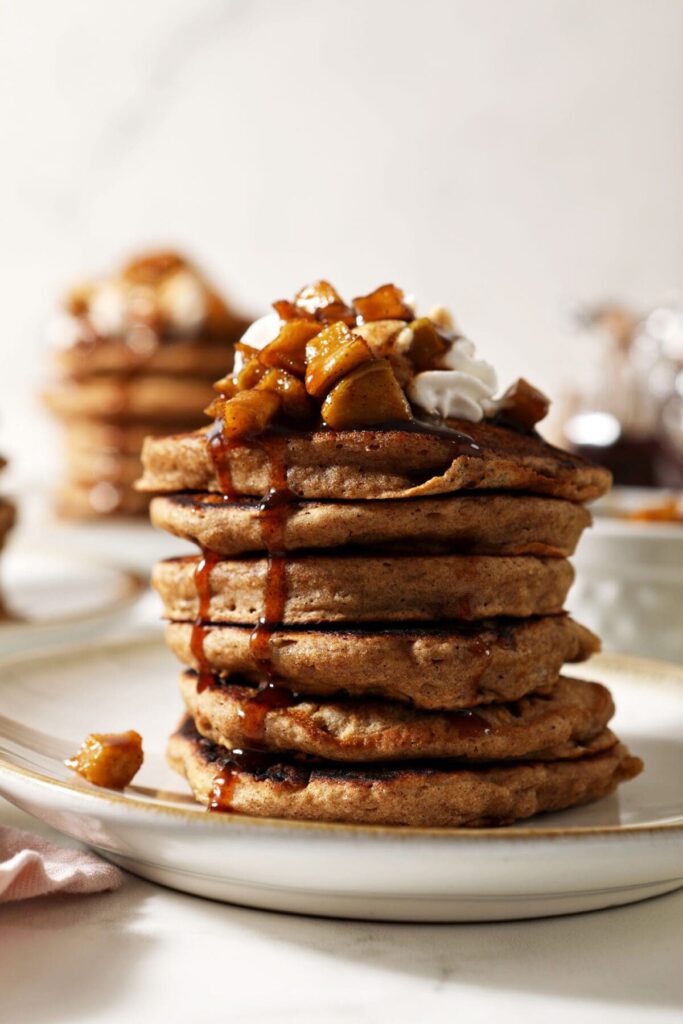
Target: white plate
[(55, 598), (621, 850)]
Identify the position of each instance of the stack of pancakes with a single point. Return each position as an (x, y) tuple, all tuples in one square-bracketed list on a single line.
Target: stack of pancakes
[(7, 512), (374, 630), (136, 354), (7, 517)]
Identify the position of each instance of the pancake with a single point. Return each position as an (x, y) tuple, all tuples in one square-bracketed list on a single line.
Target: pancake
[(89, 466), (484, 524), (125, 398), (456, 666), (369, 588), (97, 500), (87, 435), (361, 464), (436, 794), (193, 357), (548, 727)]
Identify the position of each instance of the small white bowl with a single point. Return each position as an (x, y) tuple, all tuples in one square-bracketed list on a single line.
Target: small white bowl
[(629, 582)]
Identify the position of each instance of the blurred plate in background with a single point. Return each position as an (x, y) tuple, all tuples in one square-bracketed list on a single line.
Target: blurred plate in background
[(56, 599)]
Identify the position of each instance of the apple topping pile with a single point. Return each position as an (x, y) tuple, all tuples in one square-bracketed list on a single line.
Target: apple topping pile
[(347, 366), (159, 292)]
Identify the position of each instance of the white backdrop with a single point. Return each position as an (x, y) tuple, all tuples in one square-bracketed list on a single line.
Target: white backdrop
[(503, 156)]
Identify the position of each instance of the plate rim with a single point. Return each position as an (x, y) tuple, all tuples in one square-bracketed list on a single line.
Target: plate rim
[(92, 795), (133, 585)]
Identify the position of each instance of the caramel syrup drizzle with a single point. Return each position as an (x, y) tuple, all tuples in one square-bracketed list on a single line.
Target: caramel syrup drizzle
[(273, 511), (219, 450), (202, 581)]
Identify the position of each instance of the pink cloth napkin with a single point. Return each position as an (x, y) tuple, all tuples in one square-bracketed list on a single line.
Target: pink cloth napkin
[(31, 866)]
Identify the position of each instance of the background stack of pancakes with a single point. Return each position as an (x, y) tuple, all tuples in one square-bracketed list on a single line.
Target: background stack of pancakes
[(136, 354), (7, 512), (380, 638), (7, 517)]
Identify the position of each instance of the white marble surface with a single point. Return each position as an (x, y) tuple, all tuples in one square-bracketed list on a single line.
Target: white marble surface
[(147, 954), (502, 157)]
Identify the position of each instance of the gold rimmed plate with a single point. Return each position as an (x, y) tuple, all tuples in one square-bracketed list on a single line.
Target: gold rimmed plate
[(52, 597), (620, 850)]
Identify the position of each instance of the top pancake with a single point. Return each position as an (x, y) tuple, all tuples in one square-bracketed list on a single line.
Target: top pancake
[(369, 464)]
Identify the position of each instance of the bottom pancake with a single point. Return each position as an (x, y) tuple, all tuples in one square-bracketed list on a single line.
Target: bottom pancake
[(545, 727), (418, 794)]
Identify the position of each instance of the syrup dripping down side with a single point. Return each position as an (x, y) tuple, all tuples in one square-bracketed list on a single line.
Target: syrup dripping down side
[(273, 514), (219, 451), (202, 581)]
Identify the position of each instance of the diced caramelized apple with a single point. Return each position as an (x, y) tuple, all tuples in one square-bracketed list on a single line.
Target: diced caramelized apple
[(390, 339), (332, 354), (78, 299), (250, 374), (385, 303), (381, 335), (427, 346), (215, 408), (369, 396), (249, 412), (109, 759), (224, 385), (288, 350), (152, 268), (286, 310), (315, 296), (295, 401), (523, 405), (327, 340), (227, 385), (246, 351), (248, 377), (324, 302), (324, 356)]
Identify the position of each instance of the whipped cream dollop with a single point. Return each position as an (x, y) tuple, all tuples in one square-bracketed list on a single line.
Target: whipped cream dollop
[(183, 302), (463, 389), (263, 331), (257, 335), (108, 308)]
